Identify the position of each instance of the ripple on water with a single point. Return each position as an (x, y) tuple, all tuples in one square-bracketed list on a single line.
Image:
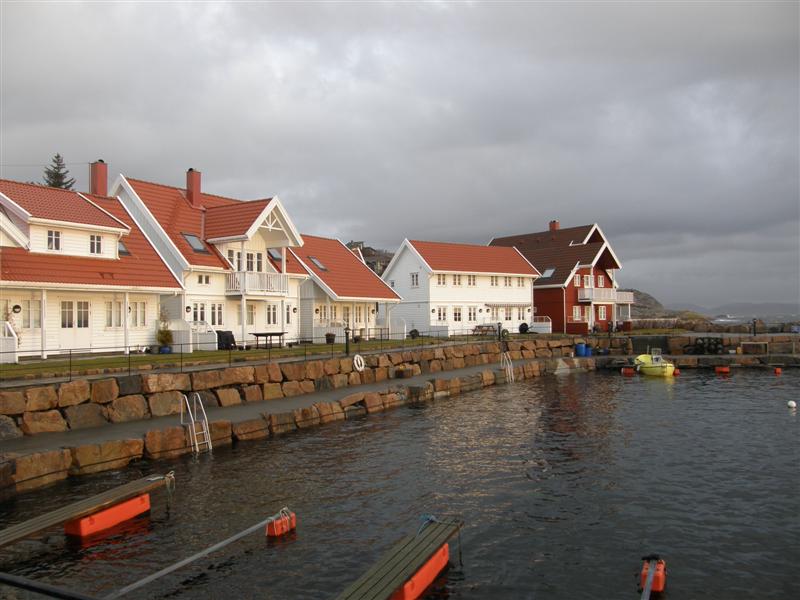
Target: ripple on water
[(563, 483)]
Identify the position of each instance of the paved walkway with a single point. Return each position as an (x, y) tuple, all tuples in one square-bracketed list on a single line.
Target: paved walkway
[(240, 412)]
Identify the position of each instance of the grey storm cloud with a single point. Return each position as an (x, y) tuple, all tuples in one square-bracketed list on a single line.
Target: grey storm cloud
[(674, 125)]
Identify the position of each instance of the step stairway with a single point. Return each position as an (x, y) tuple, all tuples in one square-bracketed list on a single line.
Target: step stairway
[(193, 414)]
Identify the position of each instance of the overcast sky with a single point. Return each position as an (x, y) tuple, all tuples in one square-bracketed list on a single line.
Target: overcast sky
[(674, 125)]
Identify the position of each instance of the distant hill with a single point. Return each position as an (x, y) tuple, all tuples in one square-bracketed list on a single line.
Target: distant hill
[(376, 259), (646, 306), (745, 309)]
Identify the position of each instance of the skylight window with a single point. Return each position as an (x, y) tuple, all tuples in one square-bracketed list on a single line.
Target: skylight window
[(195, 242), (274, 253), (317, 262), (122, 249), (548, 273)]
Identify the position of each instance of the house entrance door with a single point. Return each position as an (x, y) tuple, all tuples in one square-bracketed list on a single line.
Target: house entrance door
[(76, 330)]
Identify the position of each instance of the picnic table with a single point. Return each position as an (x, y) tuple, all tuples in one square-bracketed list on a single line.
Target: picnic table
[(269, 335), (484, 330)]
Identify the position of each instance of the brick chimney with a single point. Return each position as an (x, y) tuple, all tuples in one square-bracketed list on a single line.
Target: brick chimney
[(98, 175), (554, 225), (193, 187)]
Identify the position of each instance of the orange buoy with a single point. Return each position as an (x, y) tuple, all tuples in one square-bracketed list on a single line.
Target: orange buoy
[(628, 371), (722, 370), (105, 519), (778, 371), (419, 582), (660, 577), (282, 523)]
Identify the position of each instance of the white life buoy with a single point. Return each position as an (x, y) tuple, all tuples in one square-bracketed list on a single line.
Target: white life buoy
[(358, 363)]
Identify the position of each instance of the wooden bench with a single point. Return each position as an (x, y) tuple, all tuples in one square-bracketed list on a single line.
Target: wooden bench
[(400, 563)]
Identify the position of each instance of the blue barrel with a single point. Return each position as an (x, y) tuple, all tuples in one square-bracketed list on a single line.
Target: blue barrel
[(580, 349), (588, 351)]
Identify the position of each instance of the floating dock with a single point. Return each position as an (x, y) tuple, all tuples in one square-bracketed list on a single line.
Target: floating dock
[(82, 508), (400, 564)]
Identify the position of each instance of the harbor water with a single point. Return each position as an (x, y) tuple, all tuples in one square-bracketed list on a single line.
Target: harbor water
[(563, 484)]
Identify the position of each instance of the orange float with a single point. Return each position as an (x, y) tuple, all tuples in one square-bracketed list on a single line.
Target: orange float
[(628, 371), (660, 577), (419, 582), (282, 523), (676, 372), (722, 370), (109, 517), (778, 371)]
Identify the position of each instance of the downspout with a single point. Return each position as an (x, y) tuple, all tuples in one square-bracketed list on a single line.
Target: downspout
[(125, 309), (43, 321), (564, 302)]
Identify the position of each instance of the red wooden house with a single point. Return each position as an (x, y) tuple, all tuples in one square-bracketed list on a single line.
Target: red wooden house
[(578, 288)]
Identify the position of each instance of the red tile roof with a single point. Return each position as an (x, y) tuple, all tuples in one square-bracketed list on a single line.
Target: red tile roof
[(343, 272), (142, 268), (44, 202), (172, 210), (560, 250), (470, 258), (233, 219)]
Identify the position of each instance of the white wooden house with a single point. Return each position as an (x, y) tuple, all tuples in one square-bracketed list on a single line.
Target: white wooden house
[(450, 288)]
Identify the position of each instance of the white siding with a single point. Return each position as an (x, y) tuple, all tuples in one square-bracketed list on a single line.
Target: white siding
[(414, 308), (74, 242)]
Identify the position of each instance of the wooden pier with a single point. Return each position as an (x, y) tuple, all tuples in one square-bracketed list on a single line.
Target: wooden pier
[(82, 508), (400, 563)]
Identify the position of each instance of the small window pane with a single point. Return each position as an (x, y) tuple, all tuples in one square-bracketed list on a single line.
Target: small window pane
[(122, 250), (317, 262), (196, 244)]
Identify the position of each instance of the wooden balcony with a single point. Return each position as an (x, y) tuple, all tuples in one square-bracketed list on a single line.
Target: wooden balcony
[(604, 295), (264, 284)]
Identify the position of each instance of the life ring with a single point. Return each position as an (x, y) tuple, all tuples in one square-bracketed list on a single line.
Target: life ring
[(358, 363)]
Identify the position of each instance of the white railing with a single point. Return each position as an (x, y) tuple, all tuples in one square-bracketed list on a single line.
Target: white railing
[(9, 342), (610, 294), (247, 281)]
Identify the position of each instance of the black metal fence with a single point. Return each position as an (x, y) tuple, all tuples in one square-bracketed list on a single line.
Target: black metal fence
[(98, 361)]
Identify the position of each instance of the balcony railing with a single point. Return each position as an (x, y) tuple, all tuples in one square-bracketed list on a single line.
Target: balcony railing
[(257, 283), (608, 294)]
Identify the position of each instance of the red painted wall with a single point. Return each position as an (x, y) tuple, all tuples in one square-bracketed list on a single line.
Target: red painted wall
[(550, 302)]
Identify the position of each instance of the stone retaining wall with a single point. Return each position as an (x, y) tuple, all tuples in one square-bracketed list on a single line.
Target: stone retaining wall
[(23, 472), (84, 403)]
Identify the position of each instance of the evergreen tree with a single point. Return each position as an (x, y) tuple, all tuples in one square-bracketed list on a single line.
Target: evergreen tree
[(57, 174)]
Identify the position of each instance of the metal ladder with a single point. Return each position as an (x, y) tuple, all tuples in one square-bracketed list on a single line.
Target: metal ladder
[(508, 366), (201, 439)]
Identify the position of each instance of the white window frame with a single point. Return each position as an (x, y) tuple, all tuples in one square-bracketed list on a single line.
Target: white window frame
[(601, 313), (577, 281), (441, 314), (250, 261), (441, 279), (113, 314), (457, 314), (520, 282), (198, 311), (601, 281), (250, 311), (358, 315), (508, 313), (506, 281), (472, 314), (95, 244), (272, 314), (457, 280), (414, 279), (494, 280), (31, 314), (54, 240), (576, 313), (472, 280), (587, 281), (217, 310)]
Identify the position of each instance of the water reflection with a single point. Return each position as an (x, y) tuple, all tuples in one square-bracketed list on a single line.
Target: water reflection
[(563, 483)]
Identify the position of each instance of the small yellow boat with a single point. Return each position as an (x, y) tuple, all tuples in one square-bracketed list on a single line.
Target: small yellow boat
[(654, 364)]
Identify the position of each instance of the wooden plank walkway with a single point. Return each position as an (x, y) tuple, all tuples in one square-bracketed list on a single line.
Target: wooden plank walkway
[(80, 509), (400, 563)]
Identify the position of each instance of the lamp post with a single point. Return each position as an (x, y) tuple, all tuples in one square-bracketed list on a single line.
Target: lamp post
[(347, 341)]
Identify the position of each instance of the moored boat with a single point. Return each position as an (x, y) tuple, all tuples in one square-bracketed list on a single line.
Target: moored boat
[(654, 364)]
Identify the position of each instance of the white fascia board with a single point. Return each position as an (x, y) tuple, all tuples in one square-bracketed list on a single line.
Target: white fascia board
[(98, 207), (89, 286), (275, 204), (610, 249), (358, 299), (316, 279), (227, 238), (16, 208), (416, 252), (522, 256), (75, 225), (371, 272), (121, 181), (591, 231), (14, 232), (395, 258), (150, 242)]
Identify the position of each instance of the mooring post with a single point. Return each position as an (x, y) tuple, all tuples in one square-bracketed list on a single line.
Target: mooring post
[(347, 341)]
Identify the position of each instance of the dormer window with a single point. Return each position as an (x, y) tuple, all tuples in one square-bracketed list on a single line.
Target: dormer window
[(548, 272), (95, 244), (317, 263), (195, 243), (54, 240), (122, 250)]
